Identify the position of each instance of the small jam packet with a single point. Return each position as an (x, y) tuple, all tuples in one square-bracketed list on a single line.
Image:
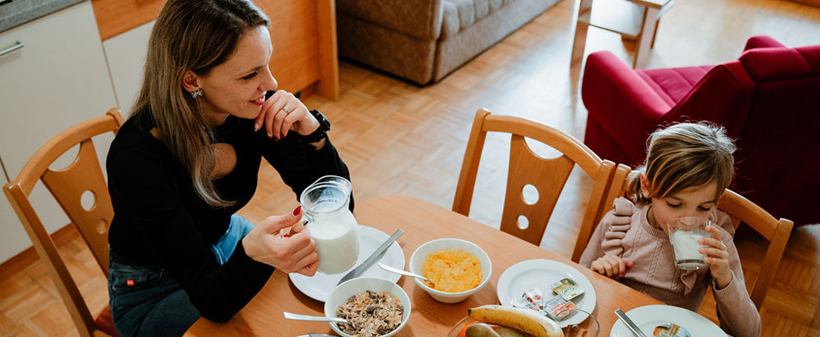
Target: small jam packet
[(670, 330), (531, 299), (559, 309), (567, 289), (534, 299)]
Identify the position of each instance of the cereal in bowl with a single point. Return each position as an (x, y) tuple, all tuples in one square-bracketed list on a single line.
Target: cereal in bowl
[(453, 271), (370, 314)]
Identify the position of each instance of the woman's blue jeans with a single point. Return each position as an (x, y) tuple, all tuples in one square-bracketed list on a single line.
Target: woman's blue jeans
[(148, 301)]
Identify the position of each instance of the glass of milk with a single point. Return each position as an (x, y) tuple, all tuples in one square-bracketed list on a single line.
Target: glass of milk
[(331, 224), (684, 234)]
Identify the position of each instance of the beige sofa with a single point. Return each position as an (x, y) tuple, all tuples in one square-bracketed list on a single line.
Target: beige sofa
[(424, 40)]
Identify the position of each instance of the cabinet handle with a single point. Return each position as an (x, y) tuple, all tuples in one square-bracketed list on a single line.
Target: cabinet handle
[(16, 46)]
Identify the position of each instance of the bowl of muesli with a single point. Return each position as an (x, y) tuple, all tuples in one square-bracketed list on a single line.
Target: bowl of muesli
[(373, 306)]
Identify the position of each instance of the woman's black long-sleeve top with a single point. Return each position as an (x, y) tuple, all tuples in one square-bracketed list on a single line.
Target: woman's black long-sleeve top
[(160, 221)]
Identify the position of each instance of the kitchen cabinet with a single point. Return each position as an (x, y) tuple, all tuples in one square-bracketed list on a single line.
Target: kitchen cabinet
[(126, 62), (57, 79)]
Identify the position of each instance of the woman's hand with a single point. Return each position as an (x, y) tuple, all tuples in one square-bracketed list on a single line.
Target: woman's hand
[(611, 266), (283, 112), (717, 256), (292, 253)]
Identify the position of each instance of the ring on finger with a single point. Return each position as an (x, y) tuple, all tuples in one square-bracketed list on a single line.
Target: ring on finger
[(287, 110)]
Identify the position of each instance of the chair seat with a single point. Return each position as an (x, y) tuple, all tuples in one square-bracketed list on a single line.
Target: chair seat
[(673, 84), (105, 322)]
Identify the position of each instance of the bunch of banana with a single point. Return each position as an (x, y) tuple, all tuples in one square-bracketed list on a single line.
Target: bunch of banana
[(521, 319)]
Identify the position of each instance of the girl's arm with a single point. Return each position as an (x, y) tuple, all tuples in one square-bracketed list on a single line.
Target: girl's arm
[(737, 314), (593, 251), (617, 220)]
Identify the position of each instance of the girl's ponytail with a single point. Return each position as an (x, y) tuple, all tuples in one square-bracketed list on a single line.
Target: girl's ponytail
[(633, 187)]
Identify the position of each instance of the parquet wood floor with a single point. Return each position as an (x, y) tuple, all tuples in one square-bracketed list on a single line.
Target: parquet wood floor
[(398, 138)]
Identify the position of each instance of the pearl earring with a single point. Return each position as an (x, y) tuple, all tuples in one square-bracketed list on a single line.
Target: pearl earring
[(196, 93)]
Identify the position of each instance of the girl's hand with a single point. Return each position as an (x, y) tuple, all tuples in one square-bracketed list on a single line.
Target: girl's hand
[(283, 112), (717, 256), (293, 253), (611, 266)]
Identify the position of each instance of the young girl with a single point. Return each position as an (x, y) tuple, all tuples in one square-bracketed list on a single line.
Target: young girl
[(687, 168)]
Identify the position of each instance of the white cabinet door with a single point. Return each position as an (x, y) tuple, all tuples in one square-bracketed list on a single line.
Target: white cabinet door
[(58, 79), (126, 62)]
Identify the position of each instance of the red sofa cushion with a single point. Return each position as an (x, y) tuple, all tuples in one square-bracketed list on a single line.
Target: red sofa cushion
[(767, 100), (673, 84)]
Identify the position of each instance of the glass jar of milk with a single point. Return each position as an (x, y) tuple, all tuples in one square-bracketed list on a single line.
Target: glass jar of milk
[(331, 224)]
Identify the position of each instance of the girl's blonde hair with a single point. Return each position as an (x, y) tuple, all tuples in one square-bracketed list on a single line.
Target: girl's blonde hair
[(682, 156), (197, 36)]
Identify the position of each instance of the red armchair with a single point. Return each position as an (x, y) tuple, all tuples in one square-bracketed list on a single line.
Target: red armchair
[(768, 100)]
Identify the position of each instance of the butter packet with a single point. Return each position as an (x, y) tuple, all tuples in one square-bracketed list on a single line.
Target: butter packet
[(670, 330), (567, 289), (558, 308)]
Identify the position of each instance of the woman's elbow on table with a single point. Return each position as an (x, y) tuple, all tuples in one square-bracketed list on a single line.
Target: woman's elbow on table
[(218, 315)]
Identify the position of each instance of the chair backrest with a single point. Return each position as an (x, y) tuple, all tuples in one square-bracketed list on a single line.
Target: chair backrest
[(67, 187), (741, 210), (775, 231), (548, 176)]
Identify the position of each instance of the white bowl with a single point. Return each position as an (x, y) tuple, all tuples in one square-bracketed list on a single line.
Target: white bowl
[(420, 255), (344, 291)]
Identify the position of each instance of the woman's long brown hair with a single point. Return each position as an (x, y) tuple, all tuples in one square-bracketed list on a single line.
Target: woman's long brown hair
[(191, 35)]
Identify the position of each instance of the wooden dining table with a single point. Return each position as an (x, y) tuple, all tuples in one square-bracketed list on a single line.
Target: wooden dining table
[(421, 221)]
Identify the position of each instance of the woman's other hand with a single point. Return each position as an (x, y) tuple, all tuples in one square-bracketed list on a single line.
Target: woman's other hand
[(717, 256), (293, 253), (611, 266), (283, 112)]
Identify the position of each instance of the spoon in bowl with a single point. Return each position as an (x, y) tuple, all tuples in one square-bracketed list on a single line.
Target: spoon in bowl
[(298, 317), (430, 283)]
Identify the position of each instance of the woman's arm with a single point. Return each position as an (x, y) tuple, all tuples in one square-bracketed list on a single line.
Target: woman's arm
[(300, 163), (144, 187)]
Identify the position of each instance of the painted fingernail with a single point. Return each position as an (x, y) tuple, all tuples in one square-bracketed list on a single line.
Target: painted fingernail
[(256, 127), (297, 210), (270, 135)]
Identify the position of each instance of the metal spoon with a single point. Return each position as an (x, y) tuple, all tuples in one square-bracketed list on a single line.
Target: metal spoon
[(407, 273), (298, 317)]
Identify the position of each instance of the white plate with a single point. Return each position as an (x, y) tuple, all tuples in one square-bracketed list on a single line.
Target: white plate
[(529, 274), (320, 285), (649, 316)]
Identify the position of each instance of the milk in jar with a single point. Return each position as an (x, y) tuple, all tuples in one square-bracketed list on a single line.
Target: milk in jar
[(331, 224)]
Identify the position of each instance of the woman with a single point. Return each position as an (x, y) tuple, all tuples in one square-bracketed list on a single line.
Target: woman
[(187, 159)]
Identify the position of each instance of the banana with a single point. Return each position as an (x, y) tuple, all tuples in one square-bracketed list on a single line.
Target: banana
[(522, 319)]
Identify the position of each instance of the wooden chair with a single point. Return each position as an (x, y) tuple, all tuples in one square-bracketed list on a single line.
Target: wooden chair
[(67, 186), (741, 210), (548, 176)]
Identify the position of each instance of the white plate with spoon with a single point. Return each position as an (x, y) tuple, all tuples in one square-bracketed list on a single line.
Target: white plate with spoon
[(320, 285)]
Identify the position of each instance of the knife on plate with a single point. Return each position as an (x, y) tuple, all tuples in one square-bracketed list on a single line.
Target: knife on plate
[(356, 272), (629, 323)]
